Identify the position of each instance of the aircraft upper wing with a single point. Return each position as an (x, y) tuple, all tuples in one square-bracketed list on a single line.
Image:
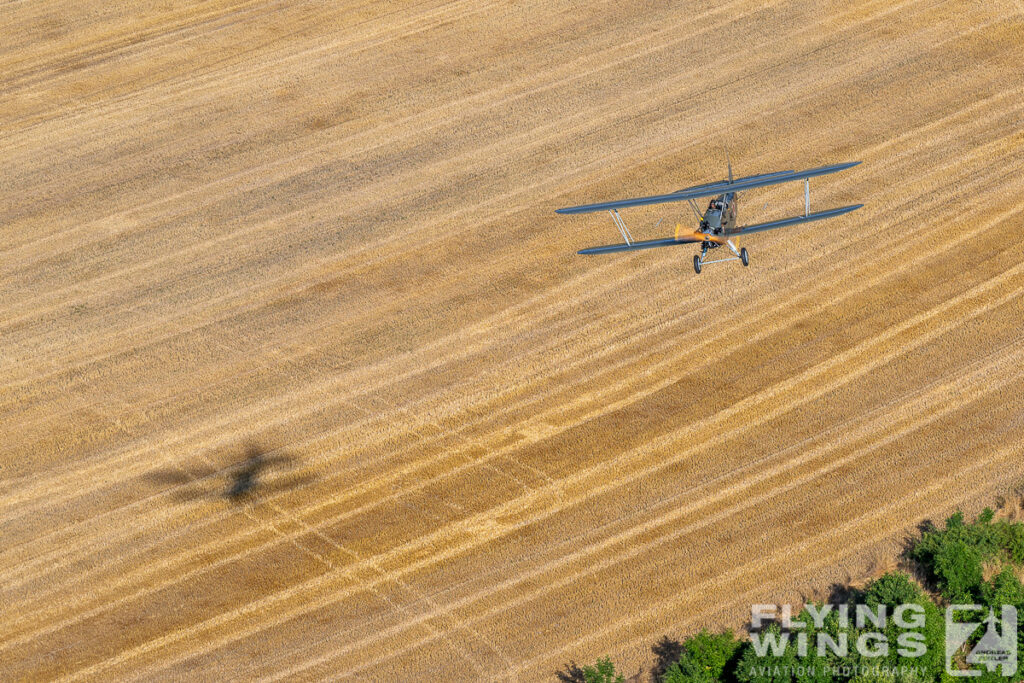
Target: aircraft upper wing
[(712, 189), (704, 186), (771, 225)]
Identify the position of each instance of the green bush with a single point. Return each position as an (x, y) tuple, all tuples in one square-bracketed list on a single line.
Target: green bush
[(602, 672)]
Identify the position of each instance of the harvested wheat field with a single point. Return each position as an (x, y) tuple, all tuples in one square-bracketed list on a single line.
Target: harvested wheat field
[(323, 235)]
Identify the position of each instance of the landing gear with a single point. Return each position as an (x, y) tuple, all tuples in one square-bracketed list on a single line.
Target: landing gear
[(700, 260)]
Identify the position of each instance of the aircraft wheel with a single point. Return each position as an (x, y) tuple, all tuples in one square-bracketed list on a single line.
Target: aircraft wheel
[(744, 257), (696, 264)]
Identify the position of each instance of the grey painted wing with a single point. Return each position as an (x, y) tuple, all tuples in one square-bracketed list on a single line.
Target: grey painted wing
[(772, 225), (711, 189), (636, 246)]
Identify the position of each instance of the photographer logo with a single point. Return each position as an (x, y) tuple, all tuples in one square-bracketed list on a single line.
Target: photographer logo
[(995, 650)]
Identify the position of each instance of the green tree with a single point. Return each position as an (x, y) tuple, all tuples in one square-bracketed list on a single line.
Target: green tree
[(1006, 589), (892, 589), (941, 551), (958, 568), (772, 665), (1003, 589), (881, 676), (1013, 541), (705, 658), (666, 653), (895, 590)]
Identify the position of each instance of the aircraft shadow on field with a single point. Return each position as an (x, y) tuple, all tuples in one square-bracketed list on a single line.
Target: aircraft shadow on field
[(258, 472)]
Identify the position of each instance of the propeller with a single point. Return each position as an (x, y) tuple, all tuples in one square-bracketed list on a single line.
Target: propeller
[(698, 236)]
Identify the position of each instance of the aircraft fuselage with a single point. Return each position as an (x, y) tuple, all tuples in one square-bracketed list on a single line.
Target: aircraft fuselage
[(721, 214)]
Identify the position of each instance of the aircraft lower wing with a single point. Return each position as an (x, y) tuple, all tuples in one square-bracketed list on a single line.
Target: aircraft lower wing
[(636, 246), (771, 225), (696, 238)]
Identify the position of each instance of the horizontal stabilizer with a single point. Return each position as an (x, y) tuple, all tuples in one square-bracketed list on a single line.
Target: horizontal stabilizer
[(711, 189), (771, 225)]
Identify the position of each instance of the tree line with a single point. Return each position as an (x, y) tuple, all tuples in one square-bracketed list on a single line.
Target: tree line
[(959, 563)]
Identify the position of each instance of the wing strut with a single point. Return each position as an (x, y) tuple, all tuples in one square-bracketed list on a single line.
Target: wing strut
[(807, 196), (621, 225)]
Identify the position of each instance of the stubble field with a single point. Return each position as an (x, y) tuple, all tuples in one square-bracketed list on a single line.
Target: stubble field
[(326, 231)]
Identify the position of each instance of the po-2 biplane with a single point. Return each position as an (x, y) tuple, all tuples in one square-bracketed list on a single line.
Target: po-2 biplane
[(717, 225)]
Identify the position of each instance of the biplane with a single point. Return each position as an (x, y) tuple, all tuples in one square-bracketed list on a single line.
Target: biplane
[(716, 226)]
